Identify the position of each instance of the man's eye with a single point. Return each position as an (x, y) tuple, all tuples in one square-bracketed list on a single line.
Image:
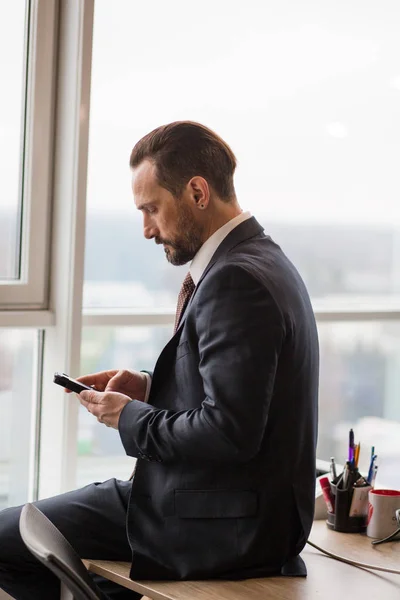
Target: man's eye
[(151, 210)]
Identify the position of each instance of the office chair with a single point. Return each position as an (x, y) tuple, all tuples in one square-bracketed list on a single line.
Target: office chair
[(51, 548)]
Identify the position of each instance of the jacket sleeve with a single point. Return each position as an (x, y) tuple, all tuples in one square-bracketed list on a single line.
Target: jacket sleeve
[(240, 333)]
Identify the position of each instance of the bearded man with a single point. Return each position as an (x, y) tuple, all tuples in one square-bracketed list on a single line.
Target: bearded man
[(224, 427)]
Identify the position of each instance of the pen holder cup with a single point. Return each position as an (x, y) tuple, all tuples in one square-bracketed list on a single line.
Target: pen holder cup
[(340, 519)]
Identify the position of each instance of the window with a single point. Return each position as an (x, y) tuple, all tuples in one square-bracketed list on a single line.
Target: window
[(308, 100), (18, 370), (359, 388), (100, 452), (122, 272), (27, 60), (12, 68), (31, 206)]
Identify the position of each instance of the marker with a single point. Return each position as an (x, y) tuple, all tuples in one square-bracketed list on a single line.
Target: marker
[(327, 494)]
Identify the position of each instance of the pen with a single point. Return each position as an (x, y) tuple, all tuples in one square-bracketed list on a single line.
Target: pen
[(357, 455), (374, 475), (333, 468), (339, 482), (371, 467), (346, 474), (351, 445)]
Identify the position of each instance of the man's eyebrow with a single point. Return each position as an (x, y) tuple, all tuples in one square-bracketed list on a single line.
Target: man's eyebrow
[(145, 205)]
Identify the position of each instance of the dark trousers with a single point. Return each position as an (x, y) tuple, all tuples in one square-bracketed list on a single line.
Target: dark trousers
[(93, 519)]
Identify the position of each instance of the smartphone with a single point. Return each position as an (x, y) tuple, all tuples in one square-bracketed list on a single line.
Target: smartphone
[(69, 383)]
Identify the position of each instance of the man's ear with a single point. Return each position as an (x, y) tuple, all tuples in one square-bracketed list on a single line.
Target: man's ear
[(200, 192)]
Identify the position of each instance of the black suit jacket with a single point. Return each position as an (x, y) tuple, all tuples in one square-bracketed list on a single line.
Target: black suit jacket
[(224, 485)]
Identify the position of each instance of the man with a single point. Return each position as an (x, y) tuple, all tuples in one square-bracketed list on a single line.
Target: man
[(224, 428)]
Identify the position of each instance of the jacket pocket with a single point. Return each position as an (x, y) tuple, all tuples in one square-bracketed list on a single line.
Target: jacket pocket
[(215, 504)]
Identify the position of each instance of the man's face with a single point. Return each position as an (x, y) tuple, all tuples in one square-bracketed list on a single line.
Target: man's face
[(169, 220)]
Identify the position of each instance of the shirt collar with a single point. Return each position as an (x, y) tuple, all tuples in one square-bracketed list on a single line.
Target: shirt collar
[(204, 255)]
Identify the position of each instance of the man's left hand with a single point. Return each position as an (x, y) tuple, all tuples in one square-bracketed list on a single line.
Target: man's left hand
[(106, 406)]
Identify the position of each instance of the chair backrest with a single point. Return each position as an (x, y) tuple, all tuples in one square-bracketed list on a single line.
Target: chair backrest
[(51, 548)]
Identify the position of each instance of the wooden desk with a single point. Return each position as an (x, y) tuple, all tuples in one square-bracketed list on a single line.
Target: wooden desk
[(327, 579)]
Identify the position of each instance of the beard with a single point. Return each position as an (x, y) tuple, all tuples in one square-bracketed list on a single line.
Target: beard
[(188, 239)]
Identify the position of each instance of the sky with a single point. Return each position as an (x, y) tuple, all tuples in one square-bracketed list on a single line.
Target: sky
[(307, 94)]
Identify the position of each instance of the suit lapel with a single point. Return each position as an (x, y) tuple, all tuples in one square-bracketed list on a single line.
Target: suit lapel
[(246, 230)]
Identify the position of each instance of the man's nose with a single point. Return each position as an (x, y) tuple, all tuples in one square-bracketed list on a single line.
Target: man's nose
[(149, 230)]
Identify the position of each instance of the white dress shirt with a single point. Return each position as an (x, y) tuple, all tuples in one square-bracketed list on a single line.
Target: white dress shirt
[(206, 252), (203, 257)]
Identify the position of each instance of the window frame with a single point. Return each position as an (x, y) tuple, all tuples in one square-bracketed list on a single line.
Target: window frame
[(55, 418), (30, 291), (107, 318)]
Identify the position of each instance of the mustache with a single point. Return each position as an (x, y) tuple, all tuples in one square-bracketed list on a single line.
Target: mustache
[(160, 241)]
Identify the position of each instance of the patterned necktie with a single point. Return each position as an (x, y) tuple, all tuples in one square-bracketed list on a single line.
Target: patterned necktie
[(187, 290)]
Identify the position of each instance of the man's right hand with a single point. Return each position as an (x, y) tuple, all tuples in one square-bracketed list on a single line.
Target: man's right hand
[(130, 383)]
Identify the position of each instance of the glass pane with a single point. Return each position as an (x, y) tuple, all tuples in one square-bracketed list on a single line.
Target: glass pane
[(120, 272), (360, 388), (17, 359), (100, 451), (307, 96), (12, 74)]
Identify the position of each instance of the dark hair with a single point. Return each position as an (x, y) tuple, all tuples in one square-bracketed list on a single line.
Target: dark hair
[(184, 149)]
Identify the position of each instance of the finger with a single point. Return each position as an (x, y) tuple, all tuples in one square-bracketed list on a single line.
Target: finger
[(83, 402), (97, 380), (67, 391), (91, 397), (117, 381), (92, 381), (93, 409)]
